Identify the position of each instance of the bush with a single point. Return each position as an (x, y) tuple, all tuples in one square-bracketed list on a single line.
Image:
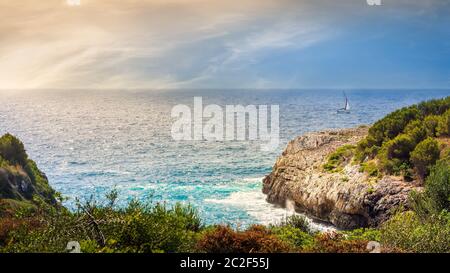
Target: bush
[(427, 227), (257, 239), (409, 233), (424, 156), (332, 242), (139, 227), (366, 149), (12, 149), (399, 147), (10, 225), (416, 130), (443, 128), (339, 157), (43, 233), (156, 228), (436, 195), (431, 124), (370, 168), (364, 234), (293, 236), (297, 221), (430, 118), (395, 153)]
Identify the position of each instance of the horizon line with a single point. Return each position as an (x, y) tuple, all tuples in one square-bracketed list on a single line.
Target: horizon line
[(226, 89)]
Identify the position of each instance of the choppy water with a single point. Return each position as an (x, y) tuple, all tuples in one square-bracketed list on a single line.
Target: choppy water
[(88, 142)]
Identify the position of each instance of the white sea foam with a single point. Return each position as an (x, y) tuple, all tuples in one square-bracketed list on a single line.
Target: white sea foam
[(255, 204), (253, 179)]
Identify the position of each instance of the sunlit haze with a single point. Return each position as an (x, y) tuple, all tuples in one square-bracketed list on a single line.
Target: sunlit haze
[(223, 43)]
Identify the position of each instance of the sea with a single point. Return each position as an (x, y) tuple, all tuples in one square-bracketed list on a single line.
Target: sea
[(89, 142)]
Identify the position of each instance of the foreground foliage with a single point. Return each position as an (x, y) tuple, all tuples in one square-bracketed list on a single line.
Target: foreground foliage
[(139, 227), (426, 228)]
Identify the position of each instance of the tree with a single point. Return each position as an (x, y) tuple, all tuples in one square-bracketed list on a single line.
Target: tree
[(424, 156), (394, 154)]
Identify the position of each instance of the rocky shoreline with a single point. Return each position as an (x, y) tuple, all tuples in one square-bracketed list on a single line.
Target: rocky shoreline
[(347, 199)]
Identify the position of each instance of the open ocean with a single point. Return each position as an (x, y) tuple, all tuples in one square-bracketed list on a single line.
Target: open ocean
[(91, 141)]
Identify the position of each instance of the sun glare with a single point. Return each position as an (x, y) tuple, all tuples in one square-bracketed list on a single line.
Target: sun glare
[(73, 3)]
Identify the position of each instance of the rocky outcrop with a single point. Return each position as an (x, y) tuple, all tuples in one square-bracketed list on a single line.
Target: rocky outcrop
[(348, 199), (17, 185), (22, 190)]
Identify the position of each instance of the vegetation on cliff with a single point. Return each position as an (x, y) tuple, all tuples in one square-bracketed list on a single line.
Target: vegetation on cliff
[(22, 184), (410, 140)]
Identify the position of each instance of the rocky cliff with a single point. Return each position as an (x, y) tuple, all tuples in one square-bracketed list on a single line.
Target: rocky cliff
[(22, 184), (348, 198), (17, 185)]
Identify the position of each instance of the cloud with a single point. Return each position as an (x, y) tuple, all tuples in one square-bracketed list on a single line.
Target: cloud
[(167, 43)]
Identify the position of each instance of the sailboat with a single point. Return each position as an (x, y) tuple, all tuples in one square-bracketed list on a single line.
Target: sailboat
[(346, 108)]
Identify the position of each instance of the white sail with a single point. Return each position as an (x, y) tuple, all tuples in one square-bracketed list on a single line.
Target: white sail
[(346, 108)]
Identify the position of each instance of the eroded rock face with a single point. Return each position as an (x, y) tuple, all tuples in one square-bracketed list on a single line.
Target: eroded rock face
[(16, 184), (348, 199)]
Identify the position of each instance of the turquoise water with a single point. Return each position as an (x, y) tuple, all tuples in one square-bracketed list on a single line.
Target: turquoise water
[(89, 142)]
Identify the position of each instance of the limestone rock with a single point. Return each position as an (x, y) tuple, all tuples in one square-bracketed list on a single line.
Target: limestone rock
[(348, 199)]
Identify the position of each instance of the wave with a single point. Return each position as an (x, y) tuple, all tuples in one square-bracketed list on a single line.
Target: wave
[(255, 204)]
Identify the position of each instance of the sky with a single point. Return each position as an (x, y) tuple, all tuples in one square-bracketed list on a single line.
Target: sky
[(157, 44)]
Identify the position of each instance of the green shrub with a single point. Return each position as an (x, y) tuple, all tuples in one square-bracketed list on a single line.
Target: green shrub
[(424, 156), (156, 228), (427, 227), (436, 195), (338, 158), (297, 221), (399, 147), (332, 242), (443, 128), (431, 124), (416, 130), (370, 168), (395, 153), (12, 149), (43, 232), (415, 121), (293, 236), (366, 149), (138, 227), (256, 239), (365, 234), (412, 234), (393, 124)]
